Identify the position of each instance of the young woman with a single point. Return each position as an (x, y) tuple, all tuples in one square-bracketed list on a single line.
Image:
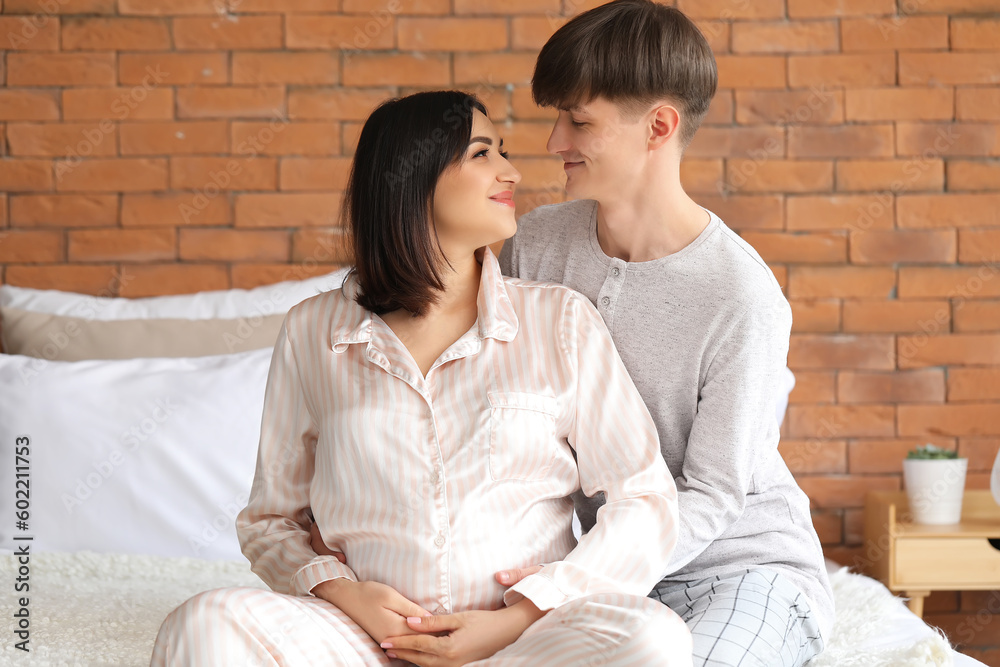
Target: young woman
[(435, 418)]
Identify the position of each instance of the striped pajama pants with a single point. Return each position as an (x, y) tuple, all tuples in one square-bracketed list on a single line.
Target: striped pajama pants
[(751, 618), (251, 627)]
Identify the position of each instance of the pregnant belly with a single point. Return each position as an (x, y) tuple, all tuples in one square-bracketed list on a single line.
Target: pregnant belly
[(446, 580)]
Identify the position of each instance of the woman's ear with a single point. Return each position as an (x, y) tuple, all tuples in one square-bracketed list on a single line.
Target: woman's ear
[(664, 123)]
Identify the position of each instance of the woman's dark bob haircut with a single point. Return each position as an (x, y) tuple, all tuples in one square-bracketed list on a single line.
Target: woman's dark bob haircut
[(405, 146), (633, 53)]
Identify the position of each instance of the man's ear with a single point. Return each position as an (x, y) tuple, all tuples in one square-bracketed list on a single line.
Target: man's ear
[(664, 124)]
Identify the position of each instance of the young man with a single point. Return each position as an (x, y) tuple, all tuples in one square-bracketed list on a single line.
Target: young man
[(698, 319)]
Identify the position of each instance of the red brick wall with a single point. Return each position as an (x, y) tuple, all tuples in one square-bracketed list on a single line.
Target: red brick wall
[(166, 146)]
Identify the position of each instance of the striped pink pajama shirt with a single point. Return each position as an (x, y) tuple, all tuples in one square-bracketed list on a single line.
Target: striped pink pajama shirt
[(431, 484)]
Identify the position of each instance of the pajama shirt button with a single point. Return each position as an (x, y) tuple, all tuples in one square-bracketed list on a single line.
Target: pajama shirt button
[(435, 477), (439, 541), (605, 301)]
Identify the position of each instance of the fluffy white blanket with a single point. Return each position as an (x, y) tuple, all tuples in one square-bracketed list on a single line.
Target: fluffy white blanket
[(875, 629), (104, 609)]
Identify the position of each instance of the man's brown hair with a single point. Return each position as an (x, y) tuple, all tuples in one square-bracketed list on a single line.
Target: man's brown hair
[(632, 53)]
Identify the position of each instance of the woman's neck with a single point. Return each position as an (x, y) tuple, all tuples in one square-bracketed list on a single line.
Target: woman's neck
[(428, 336), (461, 287)]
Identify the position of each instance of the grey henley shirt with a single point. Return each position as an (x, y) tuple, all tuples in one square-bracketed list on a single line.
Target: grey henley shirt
[(704, 334)]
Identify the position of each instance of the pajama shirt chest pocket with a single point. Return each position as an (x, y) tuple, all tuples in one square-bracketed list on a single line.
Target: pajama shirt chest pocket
[(522, 435)]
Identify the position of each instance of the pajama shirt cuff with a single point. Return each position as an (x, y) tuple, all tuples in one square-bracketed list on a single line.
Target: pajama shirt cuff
[(318, 570), (541, 590)]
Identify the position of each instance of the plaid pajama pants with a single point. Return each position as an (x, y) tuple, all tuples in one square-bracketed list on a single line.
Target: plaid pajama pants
[(750, 618)]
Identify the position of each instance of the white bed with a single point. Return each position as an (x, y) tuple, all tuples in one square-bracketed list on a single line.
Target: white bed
[(142, 417), (105, 609)]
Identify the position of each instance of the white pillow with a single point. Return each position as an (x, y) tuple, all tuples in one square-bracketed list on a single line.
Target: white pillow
[(144, 456), (220, 304)]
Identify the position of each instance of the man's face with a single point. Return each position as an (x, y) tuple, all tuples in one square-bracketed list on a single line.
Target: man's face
[(602, 153)]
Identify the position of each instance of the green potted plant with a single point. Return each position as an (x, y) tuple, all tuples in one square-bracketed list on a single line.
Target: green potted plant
[(935, 483)]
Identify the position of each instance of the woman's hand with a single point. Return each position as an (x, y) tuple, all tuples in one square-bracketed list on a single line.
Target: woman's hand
[(379, 609), (457, 639)]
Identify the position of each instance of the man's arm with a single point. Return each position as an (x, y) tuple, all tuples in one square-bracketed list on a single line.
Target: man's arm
[(734, 428)]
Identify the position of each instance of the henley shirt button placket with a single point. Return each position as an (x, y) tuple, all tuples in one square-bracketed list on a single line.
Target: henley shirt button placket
[(610, 291)]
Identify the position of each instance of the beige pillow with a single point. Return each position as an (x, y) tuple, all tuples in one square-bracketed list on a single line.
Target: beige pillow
[(63, 338)]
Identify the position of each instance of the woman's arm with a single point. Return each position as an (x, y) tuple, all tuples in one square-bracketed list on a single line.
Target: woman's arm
[(380, 610), (618, 452), (274, 527)]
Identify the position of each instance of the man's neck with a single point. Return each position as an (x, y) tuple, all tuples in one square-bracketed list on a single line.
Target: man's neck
[(645, 227)]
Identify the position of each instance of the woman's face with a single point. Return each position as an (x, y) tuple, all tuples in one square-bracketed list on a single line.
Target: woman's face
[(474, 198)]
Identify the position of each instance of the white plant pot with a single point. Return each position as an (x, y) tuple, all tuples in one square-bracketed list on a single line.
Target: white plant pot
[(935, 488)]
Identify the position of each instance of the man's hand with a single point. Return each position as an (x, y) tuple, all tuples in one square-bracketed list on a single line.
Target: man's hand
[(379, 609), (319, 546), (511, 577), (457, 639)]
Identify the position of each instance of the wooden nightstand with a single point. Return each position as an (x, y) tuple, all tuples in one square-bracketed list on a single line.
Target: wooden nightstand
[(914, 559)]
